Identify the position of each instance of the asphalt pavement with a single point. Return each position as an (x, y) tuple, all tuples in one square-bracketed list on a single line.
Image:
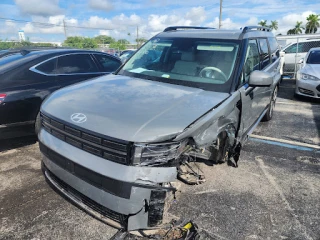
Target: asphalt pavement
[(273, 194)]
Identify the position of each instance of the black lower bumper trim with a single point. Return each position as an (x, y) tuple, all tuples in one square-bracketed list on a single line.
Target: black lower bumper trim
[(92, 205), (112, 186)]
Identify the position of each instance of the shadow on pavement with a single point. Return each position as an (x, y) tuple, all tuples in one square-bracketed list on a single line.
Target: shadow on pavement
[(287, 90), (9, 144)]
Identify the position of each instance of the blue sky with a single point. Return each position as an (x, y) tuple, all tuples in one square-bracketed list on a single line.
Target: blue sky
[(118, 18)]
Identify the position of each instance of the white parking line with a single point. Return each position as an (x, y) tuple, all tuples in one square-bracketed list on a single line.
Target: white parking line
[(285, 143)]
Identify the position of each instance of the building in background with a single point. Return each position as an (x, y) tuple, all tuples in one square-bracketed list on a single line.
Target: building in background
[(22, 37)]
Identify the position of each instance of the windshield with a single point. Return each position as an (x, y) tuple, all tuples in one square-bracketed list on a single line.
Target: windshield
[(314, 57), (202, 63)]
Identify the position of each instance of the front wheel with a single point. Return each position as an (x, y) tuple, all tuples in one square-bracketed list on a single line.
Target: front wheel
[(269, 113)]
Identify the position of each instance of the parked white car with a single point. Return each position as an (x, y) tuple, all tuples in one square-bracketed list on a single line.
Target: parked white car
[(308, 77), (292, 53)]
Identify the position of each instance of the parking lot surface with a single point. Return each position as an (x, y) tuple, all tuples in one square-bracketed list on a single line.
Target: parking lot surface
[(273, 194)]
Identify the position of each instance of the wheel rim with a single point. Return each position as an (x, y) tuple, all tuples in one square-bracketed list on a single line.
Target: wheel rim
[(273, 101)]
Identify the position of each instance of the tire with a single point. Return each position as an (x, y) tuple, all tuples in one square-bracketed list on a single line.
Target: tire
[(269, 113), (221, 155), (37, 125)]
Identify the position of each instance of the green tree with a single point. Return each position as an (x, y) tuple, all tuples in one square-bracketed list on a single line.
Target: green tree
[(124, 41), (263, 23), (291, 31), (120, 44), (140, 41), (103, 39), (274, 25), (312, 23), (298, 28), (80, 42)]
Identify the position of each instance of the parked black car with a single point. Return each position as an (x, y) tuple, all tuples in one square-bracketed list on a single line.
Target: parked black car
[(28, 77)]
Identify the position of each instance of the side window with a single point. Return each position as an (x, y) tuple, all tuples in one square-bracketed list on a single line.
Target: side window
[(48, 67), (76, 63), (291, 49), (274, 48), (108, 64), (264, 53), (252, 61)]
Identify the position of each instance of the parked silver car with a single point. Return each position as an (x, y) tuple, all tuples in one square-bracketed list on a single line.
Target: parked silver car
[(118, 144), (308, 77), (292, 53)]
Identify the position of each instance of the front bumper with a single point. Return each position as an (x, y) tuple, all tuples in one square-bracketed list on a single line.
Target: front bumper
[(123, 196), (308, 88)]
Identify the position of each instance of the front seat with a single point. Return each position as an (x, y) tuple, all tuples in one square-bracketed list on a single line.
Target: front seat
[(186, 65)]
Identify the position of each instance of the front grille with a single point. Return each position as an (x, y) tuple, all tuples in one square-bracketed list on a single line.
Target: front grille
[(306, 91), (108, 213), (109, 148)]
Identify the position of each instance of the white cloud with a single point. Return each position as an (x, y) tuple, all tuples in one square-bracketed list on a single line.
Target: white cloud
[(31, 28), (197, 15), (103, 5), (39, 7), (289, 21), (226, 24)]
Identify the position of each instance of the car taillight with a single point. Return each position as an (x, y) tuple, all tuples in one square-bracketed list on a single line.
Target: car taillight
[(2, 97)]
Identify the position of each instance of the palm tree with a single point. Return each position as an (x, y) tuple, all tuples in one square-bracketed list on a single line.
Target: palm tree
[(274, 25), (291, 31), (263, 23), (313, 23), (298, 28)]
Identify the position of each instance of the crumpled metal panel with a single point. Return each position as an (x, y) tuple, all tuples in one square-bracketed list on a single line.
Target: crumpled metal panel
[(205, 130)]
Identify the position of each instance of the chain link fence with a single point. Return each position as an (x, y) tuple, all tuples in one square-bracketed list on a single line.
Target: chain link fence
[(294, 49)]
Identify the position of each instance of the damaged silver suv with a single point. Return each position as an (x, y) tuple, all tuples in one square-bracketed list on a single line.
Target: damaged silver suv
[(116, 145)]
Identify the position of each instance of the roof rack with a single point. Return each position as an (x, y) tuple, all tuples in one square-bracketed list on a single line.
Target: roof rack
[(174, 28), (256, 28)]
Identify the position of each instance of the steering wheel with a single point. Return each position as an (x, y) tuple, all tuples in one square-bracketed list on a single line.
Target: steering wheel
[(210, 74)]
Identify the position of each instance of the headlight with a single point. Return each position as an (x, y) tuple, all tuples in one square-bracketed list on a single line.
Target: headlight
[(308, 77), (154, 154)]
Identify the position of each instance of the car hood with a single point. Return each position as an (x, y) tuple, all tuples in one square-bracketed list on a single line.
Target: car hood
[(311, 69), (132, 109)]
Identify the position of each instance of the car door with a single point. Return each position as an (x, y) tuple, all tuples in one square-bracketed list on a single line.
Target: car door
[(30, 84), (75, 67), (269, 64), (251, 97)]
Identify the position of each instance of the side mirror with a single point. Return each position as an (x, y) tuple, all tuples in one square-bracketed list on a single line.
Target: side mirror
[(301, 61), (282, 53), (260, 79)]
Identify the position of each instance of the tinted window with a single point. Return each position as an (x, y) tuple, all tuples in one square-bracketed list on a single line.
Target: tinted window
[(302, 47), (108, 64), (291, 49), (48, 66), (274, 48), (252, 59), (76, 63), (264, 53), (314, 57)]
